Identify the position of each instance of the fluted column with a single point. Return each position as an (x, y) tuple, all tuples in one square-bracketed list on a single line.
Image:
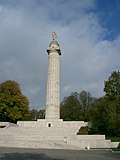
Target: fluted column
[(53, 82)]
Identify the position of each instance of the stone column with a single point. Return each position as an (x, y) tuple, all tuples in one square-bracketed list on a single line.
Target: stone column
[(53, 81)]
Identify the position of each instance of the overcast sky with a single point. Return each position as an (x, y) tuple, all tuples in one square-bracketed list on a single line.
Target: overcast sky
[(88, 32)]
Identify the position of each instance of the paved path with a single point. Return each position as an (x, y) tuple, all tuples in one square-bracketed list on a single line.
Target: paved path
[(45, 154)]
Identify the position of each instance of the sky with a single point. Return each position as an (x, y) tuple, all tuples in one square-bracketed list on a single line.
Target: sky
[(88, 32)]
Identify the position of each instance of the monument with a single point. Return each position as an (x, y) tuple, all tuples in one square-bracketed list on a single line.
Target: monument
[(51, 132), (53, 81)]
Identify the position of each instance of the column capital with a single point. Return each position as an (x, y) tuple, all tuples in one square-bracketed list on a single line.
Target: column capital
[(54, 46)]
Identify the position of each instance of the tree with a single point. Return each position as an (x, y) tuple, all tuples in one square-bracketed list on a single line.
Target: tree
[(113, 127), (42, 113), (105, 113), (98, 116), (85, 98), (34, 114), (112, 86), (105, 117), (71, 109), (13, 104), (74, 107)]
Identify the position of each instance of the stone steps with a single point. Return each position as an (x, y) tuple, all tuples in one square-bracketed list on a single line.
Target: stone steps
[(38, 132), (91, 143), (59, 137), (43, 138), (26, 137), (37, 144)]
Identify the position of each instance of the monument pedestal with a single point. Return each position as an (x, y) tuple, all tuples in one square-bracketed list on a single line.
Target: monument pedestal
[(65, 128)]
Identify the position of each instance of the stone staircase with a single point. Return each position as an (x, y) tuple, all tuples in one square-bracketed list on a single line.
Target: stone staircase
[(61, 135), (38, 134), (31, 137)]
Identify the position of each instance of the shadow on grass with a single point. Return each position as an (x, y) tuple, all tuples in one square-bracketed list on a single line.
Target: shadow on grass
[(25, 156)]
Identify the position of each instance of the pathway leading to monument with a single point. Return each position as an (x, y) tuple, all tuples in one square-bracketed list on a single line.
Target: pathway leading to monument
[(45, 154)]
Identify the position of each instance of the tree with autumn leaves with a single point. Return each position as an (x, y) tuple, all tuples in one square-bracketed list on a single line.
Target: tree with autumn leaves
[(13, 104)]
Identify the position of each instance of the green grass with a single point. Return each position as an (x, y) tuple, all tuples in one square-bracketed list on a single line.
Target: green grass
[(114, 139), (83, 131), (116, 149)]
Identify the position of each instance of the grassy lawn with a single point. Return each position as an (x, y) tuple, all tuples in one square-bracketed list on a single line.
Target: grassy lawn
[(83, 131), (116, 149), (114, 139)]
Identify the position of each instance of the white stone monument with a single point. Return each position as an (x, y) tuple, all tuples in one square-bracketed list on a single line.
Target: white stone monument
[(53, 81), (51, 132)]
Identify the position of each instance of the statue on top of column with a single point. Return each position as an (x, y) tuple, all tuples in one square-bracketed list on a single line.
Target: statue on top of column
[(54, 36)]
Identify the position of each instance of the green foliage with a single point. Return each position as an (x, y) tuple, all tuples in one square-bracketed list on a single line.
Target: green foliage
[(86, 99), (74, 107), (112, 86), (105, 113), (105, 117), (35, 114), (70, 109), (13, 104), (114, 139), (116, 149), (42, 114), (97, 115)]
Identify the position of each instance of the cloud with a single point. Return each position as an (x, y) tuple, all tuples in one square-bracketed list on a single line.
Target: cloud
[(25, 32)]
